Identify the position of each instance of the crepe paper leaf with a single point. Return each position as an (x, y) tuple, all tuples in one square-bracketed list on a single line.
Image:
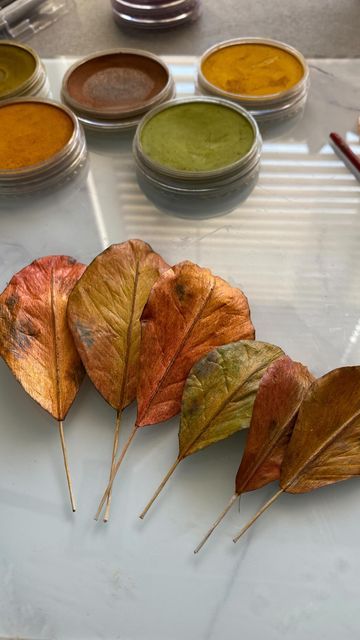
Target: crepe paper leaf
[(219, 395), (104, 312), (189, 312), (35, 340), (281, 391), (325, 444)]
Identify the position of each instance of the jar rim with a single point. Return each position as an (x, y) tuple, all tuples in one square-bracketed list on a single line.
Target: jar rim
[(38, 168), (220, 172), (38, 76), (270, 99), (116, 113)]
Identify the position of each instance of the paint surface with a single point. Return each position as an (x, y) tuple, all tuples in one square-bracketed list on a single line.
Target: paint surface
[(31, 132), (197, 136), (252, 69), (16, 67), (116, 81)]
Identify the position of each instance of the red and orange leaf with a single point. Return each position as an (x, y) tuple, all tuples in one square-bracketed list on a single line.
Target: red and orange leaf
[(325, 443), (189, 312), (104, 316), (281, 391), (35, 340)]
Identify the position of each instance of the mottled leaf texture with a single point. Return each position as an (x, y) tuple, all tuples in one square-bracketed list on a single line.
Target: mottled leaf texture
[(104, 316), (220, 391), (219, 396), (189, 312), (35, 340), (325, 444), (281, 391)]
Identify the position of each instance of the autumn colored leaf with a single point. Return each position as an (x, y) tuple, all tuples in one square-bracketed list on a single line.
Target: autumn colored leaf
[(281, 391), (35, 340), (325, 444), (104, 316), (189, 312), (219, 395)]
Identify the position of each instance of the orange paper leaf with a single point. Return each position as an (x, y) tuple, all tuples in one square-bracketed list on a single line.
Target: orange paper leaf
[(189, 312), (104, 316), (35, 340)]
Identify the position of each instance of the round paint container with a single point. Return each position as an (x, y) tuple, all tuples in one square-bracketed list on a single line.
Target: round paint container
[(155, 14), (42, 146), (21, 72), (197, 157), (268, 78), (110, 91)]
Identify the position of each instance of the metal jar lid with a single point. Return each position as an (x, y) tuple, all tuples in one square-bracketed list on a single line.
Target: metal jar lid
[(155, 15)]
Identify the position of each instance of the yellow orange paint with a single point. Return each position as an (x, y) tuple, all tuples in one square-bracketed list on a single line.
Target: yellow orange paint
[(32, 132), (252, 69)]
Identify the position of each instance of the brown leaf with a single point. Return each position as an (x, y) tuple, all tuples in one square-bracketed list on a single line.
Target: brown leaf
[(325, 444), (281, 391), (104, 316), (35, 340), (189, 312)]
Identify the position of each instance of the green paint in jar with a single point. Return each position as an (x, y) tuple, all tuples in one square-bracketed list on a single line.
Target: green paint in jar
[(197, 137)]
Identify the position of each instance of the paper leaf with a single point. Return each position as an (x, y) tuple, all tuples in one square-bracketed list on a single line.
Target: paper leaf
[(189, 312), (220, 391), (104, 316), (281, 391), (35, 340), (325, 443)]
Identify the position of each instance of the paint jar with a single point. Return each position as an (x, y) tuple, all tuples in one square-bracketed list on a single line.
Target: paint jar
[(21, 72), (42, 146), (197, 157), (155, 14), (111, 91), (268, 78)]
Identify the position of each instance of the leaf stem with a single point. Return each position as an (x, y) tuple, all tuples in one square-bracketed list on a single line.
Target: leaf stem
[(115, 450), (160, 488), (115, 470), (217, 522), (258, 514), (66, 463)]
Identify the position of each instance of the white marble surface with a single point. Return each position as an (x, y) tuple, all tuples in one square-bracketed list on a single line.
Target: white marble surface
[(294, 249)]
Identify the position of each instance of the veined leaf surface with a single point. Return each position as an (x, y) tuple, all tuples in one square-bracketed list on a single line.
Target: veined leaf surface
[(35, 340), (189, 312), (277, 402), (104, 316), (325, 443)]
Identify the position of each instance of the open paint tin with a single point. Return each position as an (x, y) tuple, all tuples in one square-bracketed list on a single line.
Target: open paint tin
[(197, 157), (266, 77), (21, 72), (42, 146), (112, 90), (155, 14)]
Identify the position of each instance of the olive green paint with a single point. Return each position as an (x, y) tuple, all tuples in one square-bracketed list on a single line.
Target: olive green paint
[(197, 136), (16, 67)]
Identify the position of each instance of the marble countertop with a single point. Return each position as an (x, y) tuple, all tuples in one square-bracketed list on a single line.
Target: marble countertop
[(325, 28), (293, 247)]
